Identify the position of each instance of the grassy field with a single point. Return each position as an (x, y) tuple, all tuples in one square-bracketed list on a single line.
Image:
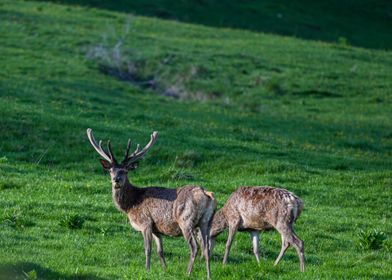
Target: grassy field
[(363, 23), (232, 108)]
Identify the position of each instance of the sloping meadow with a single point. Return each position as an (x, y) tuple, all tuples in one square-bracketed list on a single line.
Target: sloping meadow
[(231, 107)]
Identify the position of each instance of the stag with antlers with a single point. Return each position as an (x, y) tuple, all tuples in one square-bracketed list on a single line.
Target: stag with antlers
[(157, 211)]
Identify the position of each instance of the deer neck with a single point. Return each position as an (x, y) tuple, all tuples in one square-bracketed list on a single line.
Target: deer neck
[(126, 197), (219, 223)]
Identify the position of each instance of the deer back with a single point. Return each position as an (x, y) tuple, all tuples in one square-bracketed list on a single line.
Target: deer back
[(262, 207)]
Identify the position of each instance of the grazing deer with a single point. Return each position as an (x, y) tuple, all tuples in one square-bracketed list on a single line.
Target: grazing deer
[(157, 211), (255, 209)]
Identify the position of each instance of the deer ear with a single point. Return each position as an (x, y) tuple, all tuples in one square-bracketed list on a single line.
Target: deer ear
[(105, 164), (133, 165)]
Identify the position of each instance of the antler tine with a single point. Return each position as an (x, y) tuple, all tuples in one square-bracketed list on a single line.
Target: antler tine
[(127, 151), (111, 155), (136, 155), (97, 147), (100, 147), (136, 151)]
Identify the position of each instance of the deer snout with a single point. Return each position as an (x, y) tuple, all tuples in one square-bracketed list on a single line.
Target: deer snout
[(117, 179)]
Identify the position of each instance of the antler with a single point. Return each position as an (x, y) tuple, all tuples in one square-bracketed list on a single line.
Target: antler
[(138, 154), (111, 155), (98, 147), (127, 151)]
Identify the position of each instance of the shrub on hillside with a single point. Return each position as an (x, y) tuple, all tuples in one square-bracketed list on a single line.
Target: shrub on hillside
[(116, 58)]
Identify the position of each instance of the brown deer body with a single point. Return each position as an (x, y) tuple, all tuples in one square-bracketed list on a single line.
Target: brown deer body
[(157, 211), (255, 209)]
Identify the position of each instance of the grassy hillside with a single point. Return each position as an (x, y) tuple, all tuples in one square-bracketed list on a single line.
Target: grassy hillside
[(232, 108), (363, 23)]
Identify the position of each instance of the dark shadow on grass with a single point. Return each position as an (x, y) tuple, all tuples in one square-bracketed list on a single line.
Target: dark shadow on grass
[(316, 93), (332, 21), (27, 270), (289, 257)]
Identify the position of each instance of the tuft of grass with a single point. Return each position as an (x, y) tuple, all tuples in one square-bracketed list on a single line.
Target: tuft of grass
[(371, 239), (277, 167), (31, 275), (3, 159), (274, 86), (72, 221), (340, 166), (188, 159), (360, 145), (388, 245), (8, 185), (343, 42), (177, 174), (14, 218), (104, 231), (182, 175)]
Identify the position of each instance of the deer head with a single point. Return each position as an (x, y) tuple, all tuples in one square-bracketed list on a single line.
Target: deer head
[(119, 171)]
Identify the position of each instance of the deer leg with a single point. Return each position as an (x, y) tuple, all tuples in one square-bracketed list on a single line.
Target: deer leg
[(255, 242), (290, 238), (212, 244), (232, 231), (205, 241), (147, 245), (190, 238), (285, 245), (298, 244), (158, 242), (199, 239)]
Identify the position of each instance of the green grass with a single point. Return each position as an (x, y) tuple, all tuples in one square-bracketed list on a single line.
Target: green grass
[(312, 117), (363, 23)]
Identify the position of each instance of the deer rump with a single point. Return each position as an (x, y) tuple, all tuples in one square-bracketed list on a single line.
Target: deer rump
[(171, 211)]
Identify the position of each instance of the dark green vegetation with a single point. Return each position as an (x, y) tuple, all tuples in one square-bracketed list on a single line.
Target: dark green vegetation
[(371, 239), (257, 109), (363, 23)]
